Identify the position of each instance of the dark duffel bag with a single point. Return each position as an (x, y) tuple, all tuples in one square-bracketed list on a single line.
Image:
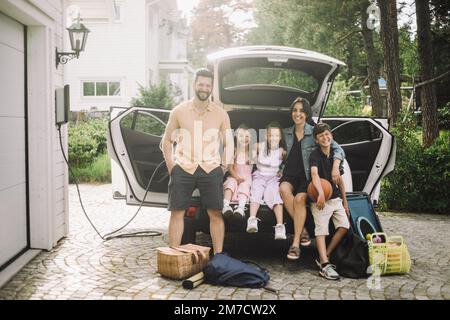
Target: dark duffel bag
[(226, 271), (351, 256)]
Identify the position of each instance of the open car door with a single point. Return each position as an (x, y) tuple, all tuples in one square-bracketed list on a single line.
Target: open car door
[(369, 150), (134, 139)]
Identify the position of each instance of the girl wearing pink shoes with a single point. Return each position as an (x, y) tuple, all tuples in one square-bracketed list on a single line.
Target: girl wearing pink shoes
[(237, 185)]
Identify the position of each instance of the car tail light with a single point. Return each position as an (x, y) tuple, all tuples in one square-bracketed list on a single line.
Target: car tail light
[(191, 211)]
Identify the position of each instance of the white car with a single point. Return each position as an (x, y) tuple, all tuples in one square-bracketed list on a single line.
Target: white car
[(255, 85)]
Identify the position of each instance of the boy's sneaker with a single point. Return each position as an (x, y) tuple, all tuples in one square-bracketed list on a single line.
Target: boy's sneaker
[(227, 211), (239, 213), (280, 232), (328, 271), (252, 225)]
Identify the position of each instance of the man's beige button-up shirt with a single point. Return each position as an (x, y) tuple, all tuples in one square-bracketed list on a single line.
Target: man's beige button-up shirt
[(199, 137)]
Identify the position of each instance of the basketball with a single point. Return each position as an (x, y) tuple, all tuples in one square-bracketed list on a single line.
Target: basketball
[(327, 190)]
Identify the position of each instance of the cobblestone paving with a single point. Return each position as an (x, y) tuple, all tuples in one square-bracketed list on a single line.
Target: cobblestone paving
[(83, 266)]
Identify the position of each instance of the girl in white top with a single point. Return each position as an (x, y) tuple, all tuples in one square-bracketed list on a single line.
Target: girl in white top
[(265, 184)]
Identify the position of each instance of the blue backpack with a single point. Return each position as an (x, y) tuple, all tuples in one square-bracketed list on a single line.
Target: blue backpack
[(226, 271)]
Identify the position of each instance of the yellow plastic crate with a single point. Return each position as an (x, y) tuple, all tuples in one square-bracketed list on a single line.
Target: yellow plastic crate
[(389, 257)]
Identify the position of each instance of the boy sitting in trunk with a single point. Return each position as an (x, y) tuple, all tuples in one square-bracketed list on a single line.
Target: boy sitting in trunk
[(321, 163)]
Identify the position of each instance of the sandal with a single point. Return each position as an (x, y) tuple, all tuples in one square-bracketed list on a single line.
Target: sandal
[(305, 240), (293, 253)]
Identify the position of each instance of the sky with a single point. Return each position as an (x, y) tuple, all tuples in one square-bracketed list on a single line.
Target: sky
[(403, 18)]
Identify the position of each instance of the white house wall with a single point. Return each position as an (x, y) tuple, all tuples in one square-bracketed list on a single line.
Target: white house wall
[(128, 51), (47, 168), (153, 55), (47, 175), (60, 172), (115, 52), (44, 23)]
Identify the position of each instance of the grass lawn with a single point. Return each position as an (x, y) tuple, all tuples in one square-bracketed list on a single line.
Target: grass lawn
[(97, 171)]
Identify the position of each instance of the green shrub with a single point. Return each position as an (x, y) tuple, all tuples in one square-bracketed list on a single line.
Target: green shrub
[(86, 141), (444, 117), (341, 102), (156, 96), (98, 171), (99, 132), (420, 181)]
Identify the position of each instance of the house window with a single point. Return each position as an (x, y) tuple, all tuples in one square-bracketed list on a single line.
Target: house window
[(101, 88), (89, 89)]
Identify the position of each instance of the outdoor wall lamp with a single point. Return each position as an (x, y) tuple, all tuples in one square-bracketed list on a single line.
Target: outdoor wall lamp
[(78, 35)]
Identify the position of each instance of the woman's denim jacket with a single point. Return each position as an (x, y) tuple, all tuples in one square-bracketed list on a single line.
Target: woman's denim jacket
[(308, 145)]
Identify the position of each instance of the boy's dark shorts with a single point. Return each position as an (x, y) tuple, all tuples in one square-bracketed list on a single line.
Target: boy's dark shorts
[(182, 184), (299, 185)]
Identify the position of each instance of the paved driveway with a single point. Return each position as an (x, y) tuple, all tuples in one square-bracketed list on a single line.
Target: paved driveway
[(83, 266)]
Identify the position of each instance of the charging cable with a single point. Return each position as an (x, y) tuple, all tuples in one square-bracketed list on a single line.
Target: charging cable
[(110, 235)]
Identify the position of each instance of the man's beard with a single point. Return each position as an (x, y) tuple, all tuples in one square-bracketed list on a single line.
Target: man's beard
[(197, 93)]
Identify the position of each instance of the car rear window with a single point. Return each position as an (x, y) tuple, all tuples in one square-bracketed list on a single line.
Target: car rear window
[(269, 80), (273, 76)]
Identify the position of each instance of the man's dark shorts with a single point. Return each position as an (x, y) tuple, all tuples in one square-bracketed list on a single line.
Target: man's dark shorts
[(182, 184), (300, 185)]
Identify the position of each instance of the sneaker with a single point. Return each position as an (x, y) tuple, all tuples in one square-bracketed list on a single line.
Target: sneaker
[(280, 232), (328, 271), (239, 213), (318, 263), (227, 211), (252, 225)]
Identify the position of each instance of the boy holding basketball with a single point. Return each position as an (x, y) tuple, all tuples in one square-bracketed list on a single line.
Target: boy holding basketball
[(335, 208)]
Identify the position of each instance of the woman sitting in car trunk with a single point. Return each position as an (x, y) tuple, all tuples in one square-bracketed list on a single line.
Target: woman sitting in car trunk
[(296, 172)]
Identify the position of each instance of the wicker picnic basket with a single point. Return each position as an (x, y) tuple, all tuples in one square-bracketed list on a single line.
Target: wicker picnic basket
[(183, 261)]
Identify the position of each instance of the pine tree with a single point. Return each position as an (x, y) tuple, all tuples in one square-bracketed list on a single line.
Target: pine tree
[(389, 39), (428, 92)]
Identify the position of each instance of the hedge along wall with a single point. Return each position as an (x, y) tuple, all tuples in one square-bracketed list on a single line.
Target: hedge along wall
[(420, 181), (87, 140)]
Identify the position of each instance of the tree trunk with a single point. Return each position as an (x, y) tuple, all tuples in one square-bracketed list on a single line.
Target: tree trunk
[(428, 92), (392, 7), (389, 39), (349, 59), (372, 63)]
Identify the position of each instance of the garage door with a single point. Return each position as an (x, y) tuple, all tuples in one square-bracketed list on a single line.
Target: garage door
[(13, 174)]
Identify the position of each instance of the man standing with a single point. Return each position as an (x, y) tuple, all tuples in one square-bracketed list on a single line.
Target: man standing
[(199, 128)]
